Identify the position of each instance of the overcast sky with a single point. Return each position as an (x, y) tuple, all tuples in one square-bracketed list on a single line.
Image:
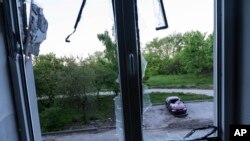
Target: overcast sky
[(97, 16)]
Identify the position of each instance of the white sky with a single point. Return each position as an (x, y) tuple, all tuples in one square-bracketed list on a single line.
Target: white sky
[(97, 16)]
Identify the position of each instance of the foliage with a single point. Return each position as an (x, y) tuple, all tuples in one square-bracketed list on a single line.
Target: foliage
[(108, 65), (197, 53), (67, 83), (60, 118), (161, 52), (110, 51), (191, 52), (46, 68), (105, 75), (53, 119)]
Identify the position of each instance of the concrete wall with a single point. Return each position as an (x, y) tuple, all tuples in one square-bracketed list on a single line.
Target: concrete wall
[(8, 128)]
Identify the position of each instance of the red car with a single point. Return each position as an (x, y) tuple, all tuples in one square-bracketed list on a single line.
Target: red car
[(176, 106)]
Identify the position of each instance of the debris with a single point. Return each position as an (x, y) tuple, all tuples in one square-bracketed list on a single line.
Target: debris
[(37, 30)]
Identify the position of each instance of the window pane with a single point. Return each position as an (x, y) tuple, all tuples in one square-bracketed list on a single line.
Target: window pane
[(178, 80), (77, 81)]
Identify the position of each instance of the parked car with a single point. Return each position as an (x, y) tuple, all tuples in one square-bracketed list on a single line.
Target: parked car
[(176, 106)]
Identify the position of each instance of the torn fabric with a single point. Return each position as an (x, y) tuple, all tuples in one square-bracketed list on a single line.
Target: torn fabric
[(37, 31)]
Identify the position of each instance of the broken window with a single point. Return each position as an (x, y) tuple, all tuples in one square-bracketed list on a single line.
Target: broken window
[(179, 64)]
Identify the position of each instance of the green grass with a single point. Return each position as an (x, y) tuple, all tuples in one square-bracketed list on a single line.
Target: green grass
[(159, 98), (180, 81)]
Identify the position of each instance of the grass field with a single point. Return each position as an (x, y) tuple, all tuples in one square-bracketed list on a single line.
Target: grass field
[(159, 98), (180, 81)]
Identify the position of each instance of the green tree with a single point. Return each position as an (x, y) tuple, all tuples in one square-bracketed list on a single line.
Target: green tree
[(162, 55), (153, 55), (197, 53), (77, 88), (107, 64), (110, 51), (46, 70), (172, 44), (191, 52)]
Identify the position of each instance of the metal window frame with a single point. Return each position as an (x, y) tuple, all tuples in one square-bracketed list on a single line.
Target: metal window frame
[(122, 20), (129, 67), (217, 65), (226, 59), (22, 84), (165, 26), (125, 13)]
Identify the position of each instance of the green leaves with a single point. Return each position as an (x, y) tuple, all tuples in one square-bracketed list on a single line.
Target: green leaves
[(197, 54), (71, 84), (191, 52), (107, 66), (110, 51)]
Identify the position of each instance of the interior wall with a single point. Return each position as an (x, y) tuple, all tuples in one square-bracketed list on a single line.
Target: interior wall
[(243, 47), (8, 128)]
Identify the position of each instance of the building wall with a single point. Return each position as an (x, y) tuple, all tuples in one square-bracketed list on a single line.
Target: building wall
[(8, 126), (243, 45)]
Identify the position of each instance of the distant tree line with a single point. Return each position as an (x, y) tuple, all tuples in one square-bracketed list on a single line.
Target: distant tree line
[(191, 52)]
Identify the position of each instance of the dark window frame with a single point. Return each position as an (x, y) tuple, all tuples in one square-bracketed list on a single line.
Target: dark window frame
[(129, 60), (126, 26)]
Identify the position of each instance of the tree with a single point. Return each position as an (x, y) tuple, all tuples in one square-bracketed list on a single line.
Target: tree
[(46, 69), (197, 53), (191, 52), (161, 55), (107, 65), (153, 54), (110, 51), (172, 44)]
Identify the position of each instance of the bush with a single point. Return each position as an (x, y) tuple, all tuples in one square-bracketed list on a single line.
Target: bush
[(53, 119)]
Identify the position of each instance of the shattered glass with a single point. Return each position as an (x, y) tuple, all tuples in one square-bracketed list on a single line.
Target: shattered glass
[(159, 15)]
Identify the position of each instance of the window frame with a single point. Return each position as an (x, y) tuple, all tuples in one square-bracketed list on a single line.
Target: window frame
[(126, 27), (226, 59), (23, 85), (129, 66)]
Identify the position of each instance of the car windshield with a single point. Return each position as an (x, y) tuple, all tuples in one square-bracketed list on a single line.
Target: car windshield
[(174, 100)]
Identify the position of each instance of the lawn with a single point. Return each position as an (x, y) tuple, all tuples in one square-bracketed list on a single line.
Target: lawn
[(180, 81), (159, 98)]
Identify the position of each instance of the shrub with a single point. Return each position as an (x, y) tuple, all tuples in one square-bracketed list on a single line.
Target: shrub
[(53, 119)]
